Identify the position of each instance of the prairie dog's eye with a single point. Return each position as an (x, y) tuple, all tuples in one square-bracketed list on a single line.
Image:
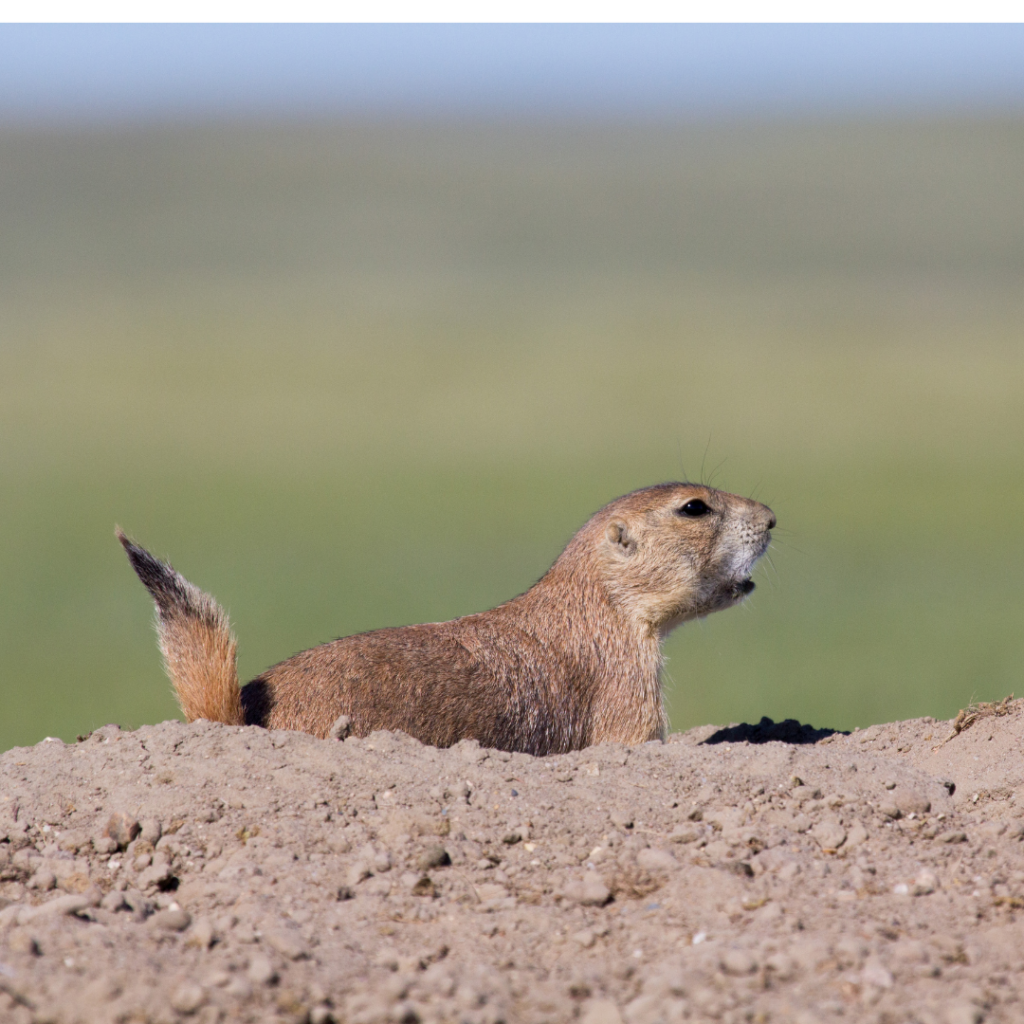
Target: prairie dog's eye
[(694, 508)]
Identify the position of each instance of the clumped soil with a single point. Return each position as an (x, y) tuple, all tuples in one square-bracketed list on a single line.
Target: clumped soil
[(755, 873)]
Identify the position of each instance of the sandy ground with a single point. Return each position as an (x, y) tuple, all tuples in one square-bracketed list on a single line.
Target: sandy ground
[(208, 873)]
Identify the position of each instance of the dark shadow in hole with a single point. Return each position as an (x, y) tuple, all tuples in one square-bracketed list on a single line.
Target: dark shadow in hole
[(767, 731)]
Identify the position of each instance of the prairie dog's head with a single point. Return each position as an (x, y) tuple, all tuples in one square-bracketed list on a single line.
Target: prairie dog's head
[(679, 551)]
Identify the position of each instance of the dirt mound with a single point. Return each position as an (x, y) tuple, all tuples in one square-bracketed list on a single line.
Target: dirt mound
[(758, 873)]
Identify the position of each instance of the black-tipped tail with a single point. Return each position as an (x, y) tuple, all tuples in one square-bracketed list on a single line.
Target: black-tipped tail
[(195, 639), (163, 583)]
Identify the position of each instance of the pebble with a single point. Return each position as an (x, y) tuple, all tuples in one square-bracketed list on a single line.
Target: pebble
[(829, 835), (104, 845), (171, 920), (239, 987), (287, 941), (433, 857), (188, 997), (20, 941), (424, 887), (113, 901), (590, 891), (874, 972), (600, 1011), (202, 934), (122, 828), (621, 819), (738, 962), (150, 830), (912, 801), (261, 970), (684, 834), (43, 880), (926, 882), (656, 861), (963, 1013), (857, 834)]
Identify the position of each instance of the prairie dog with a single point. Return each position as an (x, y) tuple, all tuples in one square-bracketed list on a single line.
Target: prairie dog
[(574, 660)]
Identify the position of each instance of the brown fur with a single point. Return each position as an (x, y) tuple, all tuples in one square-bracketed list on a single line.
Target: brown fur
[(573, 661)]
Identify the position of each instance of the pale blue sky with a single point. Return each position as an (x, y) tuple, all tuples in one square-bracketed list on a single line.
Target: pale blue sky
[(89, 72)]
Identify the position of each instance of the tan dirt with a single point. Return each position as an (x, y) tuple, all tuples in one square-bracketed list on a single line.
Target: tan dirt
[(756, 874)]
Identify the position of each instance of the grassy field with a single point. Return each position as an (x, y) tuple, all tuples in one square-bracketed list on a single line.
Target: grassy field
[(353, 375)]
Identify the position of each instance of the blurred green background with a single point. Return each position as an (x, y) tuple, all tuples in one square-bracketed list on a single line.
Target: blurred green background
[(355, 374)]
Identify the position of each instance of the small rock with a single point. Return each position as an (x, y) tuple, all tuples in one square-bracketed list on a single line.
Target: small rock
[(926, 882), (287, 941), (202, 934), (490, 891), (382, 861), (829, 835), (433, 857), (782, 966), (621, 819), (511, 838), (858, 834), (102, 989), (188, 997), (585, 937), (171, 920), (912, 801), (738, 867), (157, 873), (43, 880), (20, 941), (962, 1012), (590, 891), (151, 830), (73, 840), (951, 837), (113, 901), (424, 887), (876, 973), (104, 845), (684, 834), (122, 829), (889, 809), (656, 861), (239, 987), (600, 1011), (261, 970), (738, 962), (356, 873)]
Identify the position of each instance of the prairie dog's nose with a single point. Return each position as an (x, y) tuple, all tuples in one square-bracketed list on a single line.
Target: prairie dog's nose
[(771, 520)]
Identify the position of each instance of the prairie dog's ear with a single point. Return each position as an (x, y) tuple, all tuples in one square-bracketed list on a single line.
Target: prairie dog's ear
[(620, 538)]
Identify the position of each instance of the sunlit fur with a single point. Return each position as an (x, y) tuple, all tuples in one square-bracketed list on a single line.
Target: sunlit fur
[(573, 661)]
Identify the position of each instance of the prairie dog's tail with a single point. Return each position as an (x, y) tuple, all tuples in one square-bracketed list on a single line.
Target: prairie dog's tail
[(195, 640)]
